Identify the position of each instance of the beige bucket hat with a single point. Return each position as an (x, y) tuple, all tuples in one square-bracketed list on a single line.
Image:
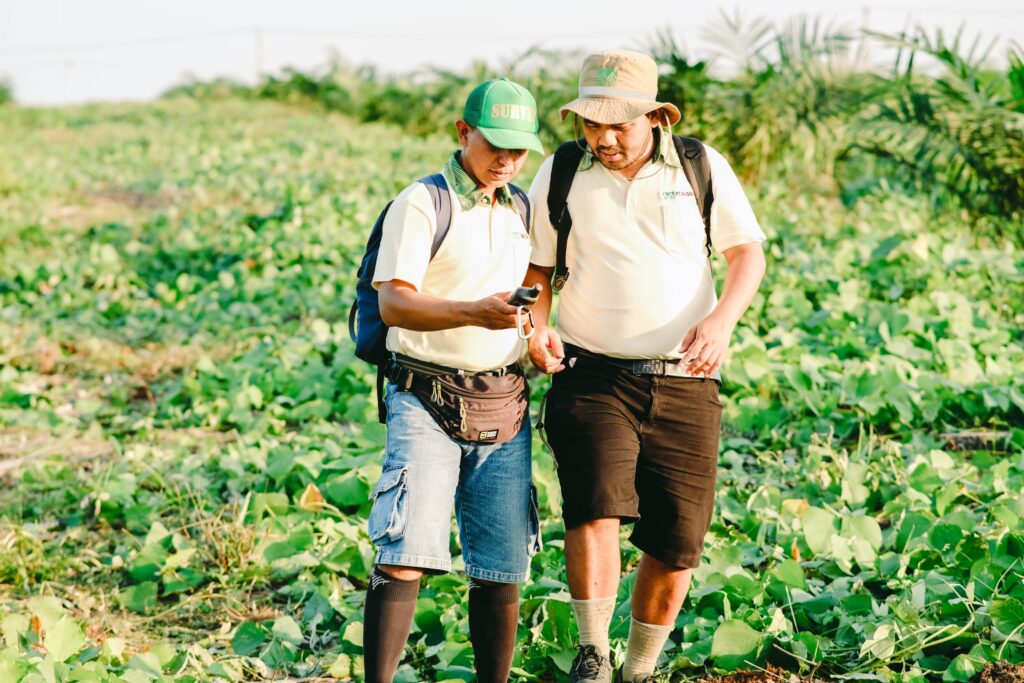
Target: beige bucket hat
[(617, 86)]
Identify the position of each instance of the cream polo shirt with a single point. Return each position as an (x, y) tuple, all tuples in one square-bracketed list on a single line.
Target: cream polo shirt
[(639, 273), (486, 250)]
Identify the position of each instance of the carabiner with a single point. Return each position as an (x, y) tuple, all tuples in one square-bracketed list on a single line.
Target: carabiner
[(519, 322)]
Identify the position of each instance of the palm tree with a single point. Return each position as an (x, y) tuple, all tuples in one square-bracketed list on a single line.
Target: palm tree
[(959, 135)]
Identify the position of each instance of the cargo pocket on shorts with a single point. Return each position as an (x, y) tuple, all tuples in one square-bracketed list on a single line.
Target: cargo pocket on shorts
[(534, 541), (388, 514)]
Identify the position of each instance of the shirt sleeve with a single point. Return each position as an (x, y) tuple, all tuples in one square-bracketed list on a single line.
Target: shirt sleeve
[(543, 236), (406, 238), (732, 219)]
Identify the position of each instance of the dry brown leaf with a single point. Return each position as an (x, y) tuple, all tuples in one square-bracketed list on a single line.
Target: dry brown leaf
[(311, 498)]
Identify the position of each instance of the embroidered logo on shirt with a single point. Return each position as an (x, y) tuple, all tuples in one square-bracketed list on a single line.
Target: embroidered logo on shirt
[(676, 194)]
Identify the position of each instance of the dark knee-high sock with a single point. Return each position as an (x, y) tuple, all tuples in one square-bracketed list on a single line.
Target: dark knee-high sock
[(387, 620), (493, 618)]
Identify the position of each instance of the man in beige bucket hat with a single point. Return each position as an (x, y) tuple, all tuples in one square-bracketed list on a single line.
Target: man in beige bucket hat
[(633, 415)]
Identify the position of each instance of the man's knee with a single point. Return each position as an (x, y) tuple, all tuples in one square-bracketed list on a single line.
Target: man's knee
[(400, 573), (664, 571), (602, 526)]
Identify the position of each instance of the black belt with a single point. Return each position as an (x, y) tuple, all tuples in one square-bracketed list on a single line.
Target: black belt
[(638, 366)]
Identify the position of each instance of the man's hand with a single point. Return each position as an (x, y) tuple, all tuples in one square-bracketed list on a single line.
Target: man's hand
[(492, 312), (546, 350), (705, 345)]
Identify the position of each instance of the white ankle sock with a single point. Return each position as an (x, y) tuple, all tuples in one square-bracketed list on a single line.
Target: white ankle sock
[(593, 617), (645, 644)]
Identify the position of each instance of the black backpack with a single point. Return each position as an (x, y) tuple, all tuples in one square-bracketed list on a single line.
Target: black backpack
[(695, 164), (365, 326)]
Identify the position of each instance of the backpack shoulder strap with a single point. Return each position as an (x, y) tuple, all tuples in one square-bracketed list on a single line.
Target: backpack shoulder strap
[(522, 203), (437, 186), (563, 170), (366, 268), (697, 167)]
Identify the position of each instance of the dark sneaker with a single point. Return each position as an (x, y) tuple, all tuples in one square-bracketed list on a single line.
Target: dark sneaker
[(618, 678), (590, 665)]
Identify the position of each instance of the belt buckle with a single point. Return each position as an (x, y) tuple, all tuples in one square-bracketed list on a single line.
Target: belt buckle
[(650, 367)]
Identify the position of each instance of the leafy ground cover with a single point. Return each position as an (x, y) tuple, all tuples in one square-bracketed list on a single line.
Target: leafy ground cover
[(187, 442)]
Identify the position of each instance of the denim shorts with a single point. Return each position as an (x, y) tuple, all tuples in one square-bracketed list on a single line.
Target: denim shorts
[(425, 472)]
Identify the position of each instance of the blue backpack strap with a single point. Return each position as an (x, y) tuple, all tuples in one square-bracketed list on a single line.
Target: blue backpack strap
[(522, 203), (437, 186)]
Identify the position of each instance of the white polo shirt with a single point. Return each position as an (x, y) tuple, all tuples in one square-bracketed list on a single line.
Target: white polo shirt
[(486, 250), (639, 276)]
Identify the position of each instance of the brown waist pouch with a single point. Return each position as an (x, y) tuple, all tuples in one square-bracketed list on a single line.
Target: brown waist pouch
[(481, 407)]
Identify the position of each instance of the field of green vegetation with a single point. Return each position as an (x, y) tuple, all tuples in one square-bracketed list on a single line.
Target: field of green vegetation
[(187, 441)]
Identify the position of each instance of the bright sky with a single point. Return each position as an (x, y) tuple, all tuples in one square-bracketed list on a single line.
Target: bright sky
[(68, 51)]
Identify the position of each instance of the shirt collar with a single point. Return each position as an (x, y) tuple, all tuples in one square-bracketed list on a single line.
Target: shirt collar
[(664, 150), (466, 189)]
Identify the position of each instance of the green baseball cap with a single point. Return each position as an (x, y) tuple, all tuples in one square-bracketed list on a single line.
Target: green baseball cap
[(505, 113)]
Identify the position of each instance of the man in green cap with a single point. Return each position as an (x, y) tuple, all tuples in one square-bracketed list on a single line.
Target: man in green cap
[(450, 325)]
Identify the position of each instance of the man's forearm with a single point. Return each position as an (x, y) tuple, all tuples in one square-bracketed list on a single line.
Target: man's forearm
[(411, 310), (742, 280), (542, 309)]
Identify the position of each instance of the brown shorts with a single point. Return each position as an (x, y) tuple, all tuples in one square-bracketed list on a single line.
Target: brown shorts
[(642, 448)]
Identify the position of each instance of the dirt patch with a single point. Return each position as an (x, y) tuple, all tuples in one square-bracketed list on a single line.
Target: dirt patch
[(64, 360), (770, 675), (134, 199), (19, 447), (112, 204), (1001, 672)]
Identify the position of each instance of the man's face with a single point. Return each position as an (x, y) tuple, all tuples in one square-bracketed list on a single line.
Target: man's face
[(621, 145), (489, 166)]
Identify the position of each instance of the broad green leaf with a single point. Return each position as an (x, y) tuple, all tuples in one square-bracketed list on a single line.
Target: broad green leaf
[(962, 669), (276, 503), (854, 490), (13, 626), (280, 463), (248, 638), (141, 598), (346, 490), (353, 633), (157, 534), (945, 537), (149, 562), (945, 497), (148, 663), (881, 644), (842, 552), (790, 573), (113, 649), (819, 528), (10, 668), (1008, 615), (912, 526), (287, 630), (138, 676), (47, 609), (734, 644), (864, 528), (64, 639), (814, 645), (341, 667), (180, 559)]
